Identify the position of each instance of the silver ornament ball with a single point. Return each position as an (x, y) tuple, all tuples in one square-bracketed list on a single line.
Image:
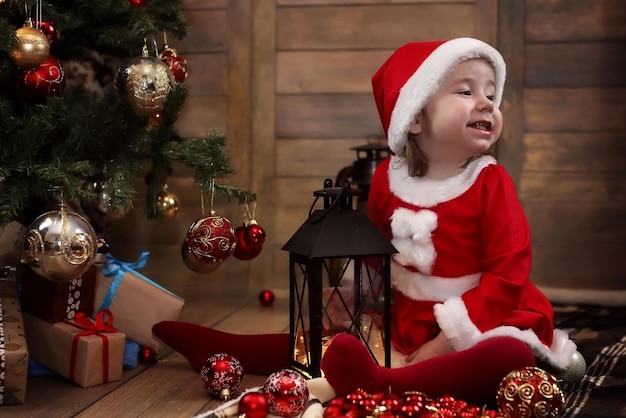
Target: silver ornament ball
[(59, 245)]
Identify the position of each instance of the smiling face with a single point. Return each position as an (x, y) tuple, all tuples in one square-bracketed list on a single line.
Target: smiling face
[(461, 119)]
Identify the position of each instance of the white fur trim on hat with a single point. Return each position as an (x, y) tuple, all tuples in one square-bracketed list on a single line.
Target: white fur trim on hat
[(425, 82)]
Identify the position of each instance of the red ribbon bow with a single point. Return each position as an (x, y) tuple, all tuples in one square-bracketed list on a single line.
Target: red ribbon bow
[(104, 322)]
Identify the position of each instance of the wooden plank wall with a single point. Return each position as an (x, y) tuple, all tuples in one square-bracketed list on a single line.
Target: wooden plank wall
[(288, 82), (569, 146)]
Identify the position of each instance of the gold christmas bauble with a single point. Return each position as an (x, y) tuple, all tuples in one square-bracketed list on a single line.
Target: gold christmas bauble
[(145, 82), (59, 245), (167, 204), (32, 47), (194, 264)]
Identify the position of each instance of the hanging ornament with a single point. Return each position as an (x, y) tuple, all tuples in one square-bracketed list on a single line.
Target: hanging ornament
[(211, 239), (145, 82), (60, 245), (287, 393), (250, 237), (222, 375), (195, 264), (167, 203), (266, 297), (46, 80), (176, 63), (104, 200), (32, 46), (530, 392), (50, 30), (253, 405), (137, 3)]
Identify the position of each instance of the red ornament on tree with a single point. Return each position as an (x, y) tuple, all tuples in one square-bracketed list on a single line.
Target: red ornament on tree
[(266, 297), (137, 3), (287, 393), (222, 375), (530, 392), (211, 240), (254, 405), (50, 30), (250, 239), (177, 64), (47, 80)]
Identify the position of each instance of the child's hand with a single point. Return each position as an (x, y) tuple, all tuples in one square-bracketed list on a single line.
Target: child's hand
[(433, 348)]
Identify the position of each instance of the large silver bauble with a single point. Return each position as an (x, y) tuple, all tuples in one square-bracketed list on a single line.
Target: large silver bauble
[(145, 82), (59, 245), (575, 371)]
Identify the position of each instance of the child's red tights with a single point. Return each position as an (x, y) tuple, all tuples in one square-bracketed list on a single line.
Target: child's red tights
[(472, 375)]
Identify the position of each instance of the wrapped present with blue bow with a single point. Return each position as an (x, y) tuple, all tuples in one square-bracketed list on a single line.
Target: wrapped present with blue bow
[(137, 302)]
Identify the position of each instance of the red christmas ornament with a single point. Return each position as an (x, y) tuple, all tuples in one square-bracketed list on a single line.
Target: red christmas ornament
[(137, 3), (254, 405), (222, 375), (194, 264), (50, 30), (243, 251), (177, 64), (266, 297), (44, 81), (254, 234), (211, 240), (530, 392), (147, 355), (287, 393)]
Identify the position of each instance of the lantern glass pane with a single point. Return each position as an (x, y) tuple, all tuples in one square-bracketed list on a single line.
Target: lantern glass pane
[(301, 315)]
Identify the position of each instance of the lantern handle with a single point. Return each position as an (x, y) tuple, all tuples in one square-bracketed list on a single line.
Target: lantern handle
[(344, 192)]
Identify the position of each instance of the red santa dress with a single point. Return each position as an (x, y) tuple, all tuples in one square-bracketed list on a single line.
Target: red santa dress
[(463, 262)]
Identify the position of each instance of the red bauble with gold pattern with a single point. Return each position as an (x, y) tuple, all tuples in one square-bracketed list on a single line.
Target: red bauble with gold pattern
[(177, 64), (46, 80), (212, 239), (287, 393), (530, 392), (222, 375)]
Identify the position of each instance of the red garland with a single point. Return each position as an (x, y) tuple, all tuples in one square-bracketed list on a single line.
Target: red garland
[(83, 322)]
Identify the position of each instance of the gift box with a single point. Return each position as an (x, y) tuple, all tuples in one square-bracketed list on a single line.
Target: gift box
[(13, 347), (85, 351), (57, 301), (137, 302)]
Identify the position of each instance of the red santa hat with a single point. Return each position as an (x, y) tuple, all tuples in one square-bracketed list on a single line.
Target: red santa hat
[(413, 74)]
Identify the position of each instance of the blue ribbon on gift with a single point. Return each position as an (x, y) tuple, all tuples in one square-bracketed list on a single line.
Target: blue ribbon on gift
[(118, 268)]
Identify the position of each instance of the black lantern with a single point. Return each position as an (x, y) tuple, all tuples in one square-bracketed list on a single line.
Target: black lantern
[(339, 267)]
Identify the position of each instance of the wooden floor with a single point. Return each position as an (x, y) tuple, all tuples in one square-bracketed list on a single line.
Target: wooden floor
[(169, 388)]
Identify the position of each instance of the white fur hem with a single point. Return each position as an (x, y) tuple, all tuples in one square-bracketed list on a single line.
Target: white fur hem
[(456, 325)]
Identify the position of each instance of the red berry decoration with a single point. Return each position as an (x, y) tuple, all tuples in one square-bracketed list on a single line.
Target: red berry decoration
[(254, 405), (177, 64), (287, 393), (266, 297), (147, 355), (222, 375), (46, 80), (211, 240), (530, 392)]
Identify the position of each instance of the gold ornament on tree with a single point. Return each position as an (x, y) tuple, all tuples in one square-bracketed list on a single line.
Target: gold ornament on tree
[(59, 245), (167, 203), (145, 82), (32, 46)]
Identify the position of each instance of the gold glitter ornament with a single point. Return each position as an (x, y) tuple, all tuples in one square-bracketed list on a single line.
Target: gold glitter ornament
[(32, 47), (167, 203), (145, 82), (59, 245)]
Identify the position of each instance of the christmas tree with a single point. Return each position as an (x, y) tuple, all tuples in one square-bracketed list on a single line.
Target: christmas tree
[(63, 135)]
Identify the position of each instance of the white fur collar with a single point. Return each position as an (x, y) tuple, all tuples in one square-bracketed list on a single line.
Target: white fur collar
[(427, 193)]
